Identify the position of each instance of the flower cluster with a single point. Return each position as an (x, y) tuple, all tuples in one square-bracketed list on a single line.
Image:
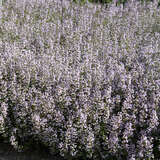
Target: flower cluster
[(83, 80)]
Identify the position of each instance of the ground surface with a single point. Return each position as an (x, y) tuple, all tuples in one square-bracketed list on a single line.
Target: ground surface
[(7, 152)]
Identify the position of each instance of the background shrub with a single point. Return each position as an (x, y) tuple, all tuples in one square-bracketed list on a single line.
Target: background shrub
[(118, 2)]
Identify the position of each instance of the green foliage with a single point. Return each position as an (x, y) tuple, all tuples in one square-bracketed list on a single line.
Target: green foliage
[(121, 2), (100, 1), (81, 2)]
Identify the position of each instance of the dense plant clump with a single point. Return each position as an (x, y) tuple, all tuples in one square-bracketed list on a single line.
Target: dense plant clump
[(82, 80)]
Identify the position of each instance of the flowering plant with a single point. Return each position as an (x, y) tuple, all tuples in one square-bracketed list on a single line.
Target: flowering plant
[(95, 95)]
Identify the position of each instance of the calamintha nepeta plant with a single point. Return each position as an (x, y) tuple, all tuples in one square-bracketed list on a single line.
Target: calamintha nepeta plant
[(85, 82)]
